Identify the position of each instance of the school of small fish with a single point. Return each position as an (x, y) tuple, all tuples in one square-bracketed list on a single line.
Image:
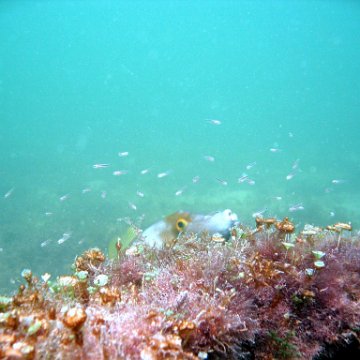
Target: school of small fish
[(253, 168)]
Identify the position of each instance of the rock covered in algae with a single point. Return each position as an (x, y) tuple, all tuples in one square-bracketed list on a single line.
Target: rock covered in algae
[(250, 297)]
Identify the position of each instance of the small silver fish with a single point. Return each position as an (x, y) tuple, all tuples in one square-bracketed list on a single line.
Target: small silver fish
[(100, 166), (140, 194), (214, 121), (338, 181), (180, 191), (251, 165), (209, 158), (259, 213), (163, 174), (123, 153), (120, 172), (296, 207), (66, 236), (132, 206), (8, 194), (275, 150), (222, 182), (290, 176), (64, 197)]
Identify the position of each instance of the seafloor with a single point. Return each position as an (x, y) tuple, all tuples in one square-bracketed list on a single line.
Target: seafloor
[(270, 292)]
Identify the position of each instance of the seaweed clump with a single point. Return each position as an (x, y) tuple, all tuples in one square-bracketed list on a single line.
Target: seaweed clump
[(267, 293)]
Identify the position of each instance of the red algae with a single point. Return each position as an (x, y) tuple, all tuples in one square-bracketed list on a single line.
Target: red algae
[(268, 293)]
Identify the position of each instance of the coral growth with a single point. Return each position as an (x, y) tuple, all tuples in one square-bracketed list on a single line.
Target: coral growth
[(267, 293)]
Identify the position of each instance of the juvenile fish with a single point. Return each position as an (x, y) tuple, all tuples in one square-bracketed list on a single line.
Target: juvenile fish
[(214, 121), (100, 166), (8, 194)]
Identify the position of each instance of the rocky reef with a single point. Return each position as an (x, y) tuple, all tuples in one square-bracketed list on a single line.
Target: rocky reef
[(270, 292)]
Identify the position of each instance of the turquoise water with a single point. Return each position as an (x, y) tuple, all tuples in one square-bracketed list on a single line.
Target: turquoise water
[(81, 81)]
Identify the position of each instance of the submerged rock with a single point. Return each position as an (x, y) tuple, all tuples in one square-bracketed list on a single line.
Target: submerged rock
[(201, 297)]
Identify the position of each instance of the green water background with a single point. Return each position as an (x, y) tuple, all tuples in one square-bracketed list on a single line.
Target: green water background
[(81, 81)]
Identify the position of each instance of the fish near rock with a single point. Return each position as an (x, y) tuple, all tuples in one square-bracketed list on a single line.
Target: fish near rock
[(171, 226)]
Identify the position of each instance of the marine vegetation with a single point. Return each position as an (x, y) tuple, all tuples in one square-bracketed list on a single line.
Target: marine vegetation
[(268, 292)]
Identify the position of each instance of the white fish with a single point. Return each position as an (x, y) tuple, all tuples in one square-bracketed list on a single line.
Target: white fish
[(251, 165), (290, 176), (243, 178), (195, 179), (296, 207), (103, 194), (338, 181), (180, 191), (8, 194), (132, 206), (222, 182), (275, 150), (332, 213), (163, 174), (64, 197), (209, 158), (277, 198), (140, 194), (145, 171), (48, 213), (120, 172), (214, 121), (295, 164), (66, 236), (123, 153), (220, 222), (100, 166), (259, 213), (45, 243), (86, 190)]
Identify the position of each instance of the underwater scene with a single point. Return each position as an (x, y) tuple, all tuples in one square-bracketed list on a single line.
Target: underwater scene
[(179, 180), (118, 112)]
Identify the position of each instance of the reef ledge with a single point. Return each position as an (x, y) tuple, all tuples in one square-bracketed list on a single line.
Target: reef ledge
[(267, 293)]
